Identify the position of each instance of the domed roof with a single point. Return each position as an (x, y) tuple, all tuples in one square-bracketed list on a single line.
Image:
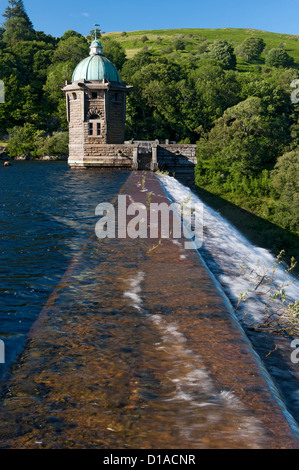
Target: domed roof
[(96, 43), (96, 67)]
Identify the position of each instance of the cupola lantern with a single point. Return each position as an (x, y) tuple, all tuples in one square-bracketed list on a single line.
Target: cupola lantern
[(96, 107)]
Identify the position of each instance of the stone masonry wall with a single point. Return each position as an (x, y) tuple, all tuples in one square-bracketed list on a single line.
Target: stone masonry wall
[(75, 101), (97, 107), (110, 155), (177, 154), (179, 160), (116, 118)]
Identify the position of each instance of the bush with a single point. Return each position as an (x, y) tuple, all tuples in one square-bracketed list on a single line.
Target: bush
[(285, 181), (27, 140), (179, 44), (21, 140), (251, 48), (223, 52), (203, 47), (55, 145), (114, 51), (279, 58)]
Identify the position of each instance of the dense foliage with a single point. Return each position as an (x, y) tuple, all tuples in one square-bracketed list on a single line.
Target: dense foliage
[(233, 99), (251, 48)]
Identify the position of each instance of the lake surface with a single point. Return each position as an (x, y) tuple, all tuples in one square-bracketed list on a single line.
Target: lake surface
[(132, 346), (46, 215)]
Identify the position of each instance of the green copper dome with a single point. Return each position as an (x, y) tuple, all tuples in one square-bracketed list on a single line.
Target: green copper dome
[(96, 67), (96, 43)]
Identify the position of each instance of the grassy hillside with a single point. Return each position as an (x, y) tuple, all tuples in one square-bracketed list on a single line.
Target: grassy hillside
[(160, 40)]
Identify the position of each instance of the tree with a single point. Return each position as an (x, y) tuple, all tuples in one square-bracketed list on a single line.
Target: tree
[(223, 52), (285, 181), (17, 30), (279, 58), (216, 90), (70, 33), (16, 9), (114, 52), (243, 142), (55, 145), (136, 63), (203, 46), (179, 44), (97, 31), (21, 140), (251, 48), (41, 61), (71, 50), (57, 75)]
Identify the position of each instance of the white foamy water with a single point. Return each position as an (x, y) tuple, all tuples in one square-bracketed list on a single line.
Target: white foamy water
[(230, 256), (134, 290), (195, 390)]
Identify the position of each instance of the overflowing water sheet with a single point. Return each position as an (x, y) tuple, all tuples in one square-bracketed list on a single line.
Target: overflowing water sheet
[(230, 256), (194, 390)]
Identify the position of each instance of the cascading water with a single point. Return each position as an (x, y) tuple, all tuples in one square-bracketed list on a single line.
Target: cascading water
[(134, 347), (226, 252), (230, 257)]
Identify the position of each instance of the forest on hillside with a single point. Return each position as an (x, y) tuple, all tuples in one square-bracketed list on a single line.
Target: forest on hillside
[(243, 120)]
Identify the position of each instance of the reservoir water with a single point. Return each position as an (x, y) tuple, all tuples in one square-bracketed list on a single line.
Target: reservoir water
[(130, 344), (46, 216)]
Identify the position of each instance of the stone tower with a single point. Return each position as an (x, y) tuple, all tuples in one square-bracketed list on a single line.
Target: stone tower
[(96, 112)]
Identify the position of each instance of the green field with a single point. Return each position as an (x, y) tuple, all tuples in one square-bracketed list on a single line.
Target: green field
[(132, 42)]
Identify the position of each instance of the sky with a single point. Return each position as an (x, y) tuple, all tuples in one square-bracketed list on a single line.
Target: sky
[(57, 16)]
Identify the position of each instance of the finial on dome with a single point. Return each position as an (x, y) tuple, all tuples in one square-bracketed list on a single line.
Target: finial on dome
[(95, 31), (96, 46)]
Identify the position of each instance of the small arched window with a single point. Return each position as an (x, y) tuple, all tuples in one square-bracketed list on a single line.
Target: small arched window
[(94, 116), (74, 96)]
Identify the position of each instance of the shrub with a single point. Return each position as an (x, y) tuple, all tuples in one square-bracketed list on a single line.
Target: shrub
[(55, 145), (179, 44), (21, 140), (223, 52), (279, 58), (285, 181), (251, 48)]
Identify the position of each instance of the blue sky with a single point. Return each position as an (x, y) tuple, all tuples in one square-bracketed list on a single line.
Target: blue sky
[(56, 16)]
